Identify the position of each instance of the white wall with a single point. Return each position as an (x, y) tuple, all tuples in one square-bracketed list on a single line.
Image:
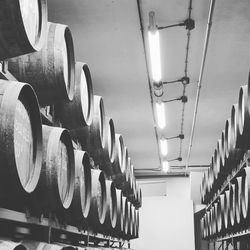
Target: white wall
[(153, 187), (166, 216)]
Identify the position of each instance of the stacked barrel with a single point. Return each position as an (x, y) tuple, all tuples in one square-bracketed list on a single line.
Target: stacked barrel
[(225, 185), (76, 168)]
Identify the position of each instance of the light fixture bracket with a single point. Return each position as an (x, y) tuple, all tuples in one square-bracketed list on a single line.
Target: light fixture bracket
[(184, 80), (181, 136), (189, 23), (176, 159), (183, 99)]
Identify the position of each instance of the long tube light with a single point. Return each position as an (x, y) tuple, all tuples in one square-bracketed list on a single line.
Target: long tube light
[(160, 114), (164, 146), (165, 166), (154, 48)]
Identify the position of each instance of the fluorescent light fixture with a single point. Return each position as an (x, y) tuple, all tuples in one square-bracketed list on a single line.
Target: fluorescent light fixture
[(160, 114), (165, 166), (154, 52), (164, 146)]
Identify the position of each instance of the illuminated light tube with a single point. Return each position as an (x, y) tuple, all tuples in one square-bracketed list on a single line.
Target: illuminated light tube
[(165, 166), (160, 114), (164, 147), (154, 52)]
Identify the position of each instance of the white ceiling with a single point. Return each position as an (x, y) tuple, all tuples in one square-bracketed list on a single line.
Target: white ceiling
[(107, 36)]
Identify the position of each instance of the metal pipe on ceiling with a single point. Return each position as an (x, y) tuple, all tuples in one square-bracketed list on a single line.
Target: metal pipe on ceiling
[(203, 60)]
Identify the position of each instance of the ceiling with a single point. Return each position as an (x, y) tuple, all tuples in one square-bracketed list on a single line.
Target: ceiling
[(107, 36)]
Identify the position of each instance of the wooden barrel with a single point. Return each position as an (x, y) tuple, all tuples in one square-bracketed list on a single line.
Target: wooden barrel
[(107, 153), (125, 210), (202, 228), (110, 139), (238, 188), (233, 155), (215, 218), (126, 184), (227, 143), (56, 184), (215, 166), (209, 220), (134, 224), (232, 207), (207, 233), (128, 219), (22, 27), (97, 131), (223, 161), (212, 221), (236, 153), (119, 164), (222, 209), (131, 180), (206, 224), (245, 194), (234, 119), (119, 225), (119, 176), (111, 213), (132, 196), (204, 188), (138, 204), (81, 107), (98, 206), (21, 143), (10, 245), (82, 189), (226, 209), (118, 155), (220, 162), (137, 223), (132, 221), (244, 117), (219, 215), (50, 71)]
